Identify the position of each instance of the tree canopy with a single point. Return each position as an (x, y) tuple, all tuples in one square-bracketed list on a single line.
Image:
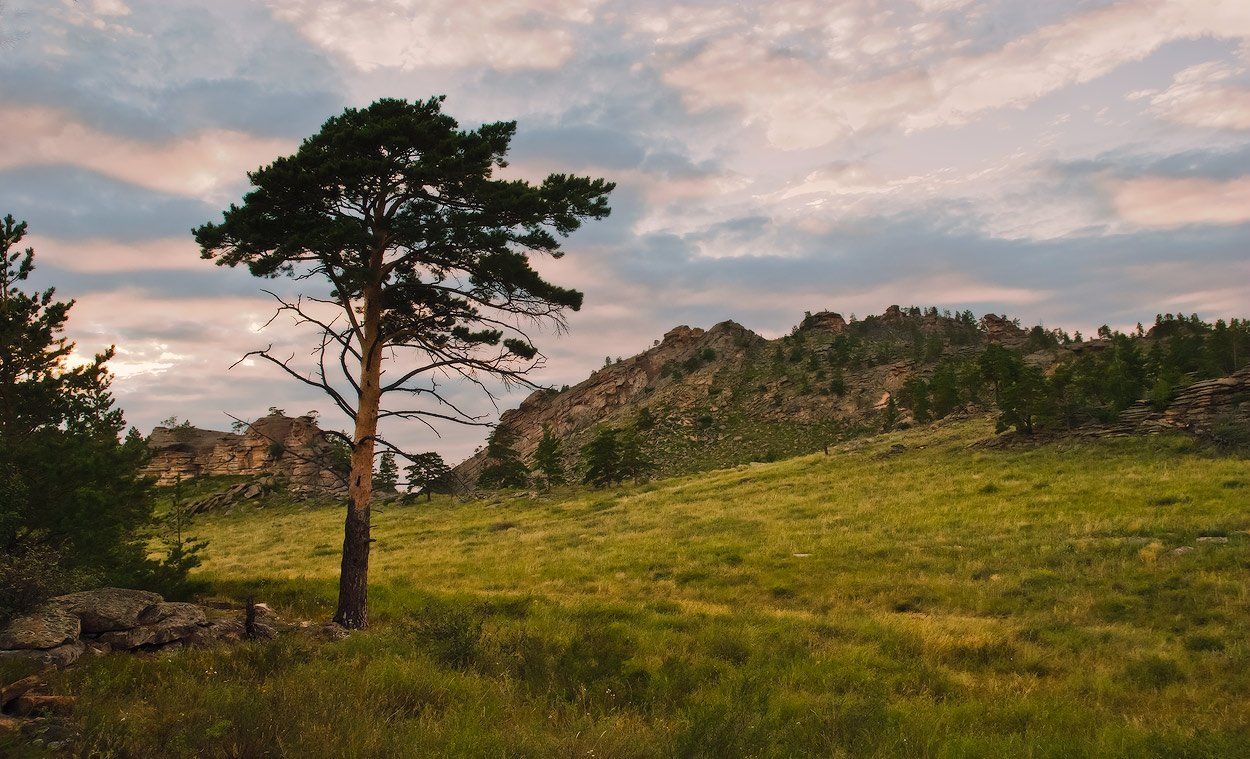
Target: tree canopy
[(73, 508), (416, 255)]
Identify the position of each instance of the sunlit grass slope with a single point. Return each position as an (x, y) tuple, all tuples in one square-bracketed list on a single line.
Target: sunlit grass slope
[(942, 600)]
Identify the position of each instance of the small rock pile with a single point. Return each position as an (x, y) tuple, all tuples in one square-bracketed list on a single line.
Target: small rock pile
[(234, 495), (110, 619)]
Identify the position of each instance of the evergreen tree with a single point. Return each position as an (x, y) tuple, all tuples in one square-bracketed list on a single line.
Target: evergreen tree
[(387, 476), (915, 394), (182, 550), (429, 474), (944, 395), (549, 458), (427, 258), (634, 463), (503, 468), (1019, 389), (73, 508), (837, 381), (889, 416), (601, 458)]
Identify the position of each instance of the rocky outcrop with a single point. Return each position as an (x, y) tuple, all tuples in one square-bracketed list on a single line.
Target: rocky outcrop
[(107, 609), (696, 384), (827, 321), (682, 363), (1000, 329), (1201, 408), (112, 619), (293, 449), (727, 395)]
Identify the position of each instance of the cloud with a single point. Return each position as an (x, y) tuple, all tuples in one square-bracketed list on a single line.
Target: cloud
[(77, 204), (1174, 202), (169, 67), (513, 34), (1206, 96), (110, 256), (770, 159), (210, 165), (810, 74)]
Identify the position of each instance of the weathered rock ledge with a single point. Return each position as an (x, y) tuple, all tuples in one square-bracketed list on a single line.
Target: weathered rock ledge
[(113, 619), (1199, 408)]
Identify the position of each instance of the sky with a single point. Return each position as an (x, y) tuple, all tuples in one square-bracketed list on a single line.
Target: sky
[(1070, 163)]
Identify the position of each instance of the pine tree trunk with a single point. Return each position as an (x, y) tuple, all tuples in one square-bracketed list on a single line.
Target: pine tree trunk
[(353, 602)]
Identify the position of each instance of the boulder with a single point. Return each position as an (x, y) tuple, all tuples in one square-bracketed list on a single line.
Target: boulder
[(45, 628), (159, 625), (108, 609)]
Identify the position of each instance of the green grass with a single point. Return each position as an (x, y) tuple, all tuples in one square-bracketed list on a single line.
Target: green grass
[(943, 601)]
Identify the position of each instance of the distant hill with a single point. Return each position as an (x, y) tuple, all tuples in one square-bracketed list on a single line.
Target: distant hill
[(702, 399)]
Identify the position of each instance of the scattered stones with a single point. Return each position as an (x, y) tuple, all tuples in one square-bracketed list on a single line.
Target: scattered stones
[(116, 619), (1182, 550), (334, 632), (1212, 539), (57, 656)]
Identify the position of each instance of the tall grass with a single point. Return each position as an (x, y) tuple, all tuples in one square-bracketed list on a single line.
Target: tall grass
[(941, 601)]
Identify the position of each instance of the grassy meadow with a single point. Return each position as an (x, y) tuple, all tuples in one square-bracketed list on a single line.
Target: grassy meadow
[(943, 600)]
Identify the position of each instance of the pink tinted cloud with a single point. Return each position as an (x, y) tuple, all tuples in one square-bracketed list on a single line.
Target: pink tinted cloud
[(109, 255), (412, 34), (1174, 202), (1206, 95), (204, 165), (804, 101)]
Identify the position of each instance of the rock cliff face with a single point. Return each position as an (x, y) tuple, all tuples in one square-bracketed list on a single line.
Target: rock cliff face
[(622, 387), (726, 394), (293, 449)]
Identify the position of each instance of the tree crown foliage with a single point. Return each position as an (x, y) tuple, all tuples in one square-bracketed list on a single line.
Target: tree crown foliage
[(395, 199), (72, 506)]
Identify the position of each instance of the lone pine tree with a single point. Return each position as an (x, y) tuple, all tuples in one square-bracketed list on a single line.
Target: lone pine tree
[(423, 258)]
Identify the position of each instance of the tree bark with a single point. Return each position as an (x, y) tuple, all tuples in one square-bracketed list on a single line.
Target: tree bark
[(352, 611)]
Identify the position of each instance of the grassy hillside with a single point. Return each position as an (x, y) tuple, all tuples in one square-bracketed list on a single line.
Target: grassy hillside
[(941, 600)]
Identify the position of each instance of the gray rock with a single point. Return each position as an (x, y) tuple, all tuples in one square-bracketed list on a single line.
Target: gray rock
[(48, 627), (1212, 539), (58, 656), (217, 631), (108, 609), (161, 624)]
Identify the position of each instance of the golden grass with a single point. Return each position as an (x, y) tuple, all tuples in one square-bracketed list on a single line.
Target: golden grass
[(944, 600)]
